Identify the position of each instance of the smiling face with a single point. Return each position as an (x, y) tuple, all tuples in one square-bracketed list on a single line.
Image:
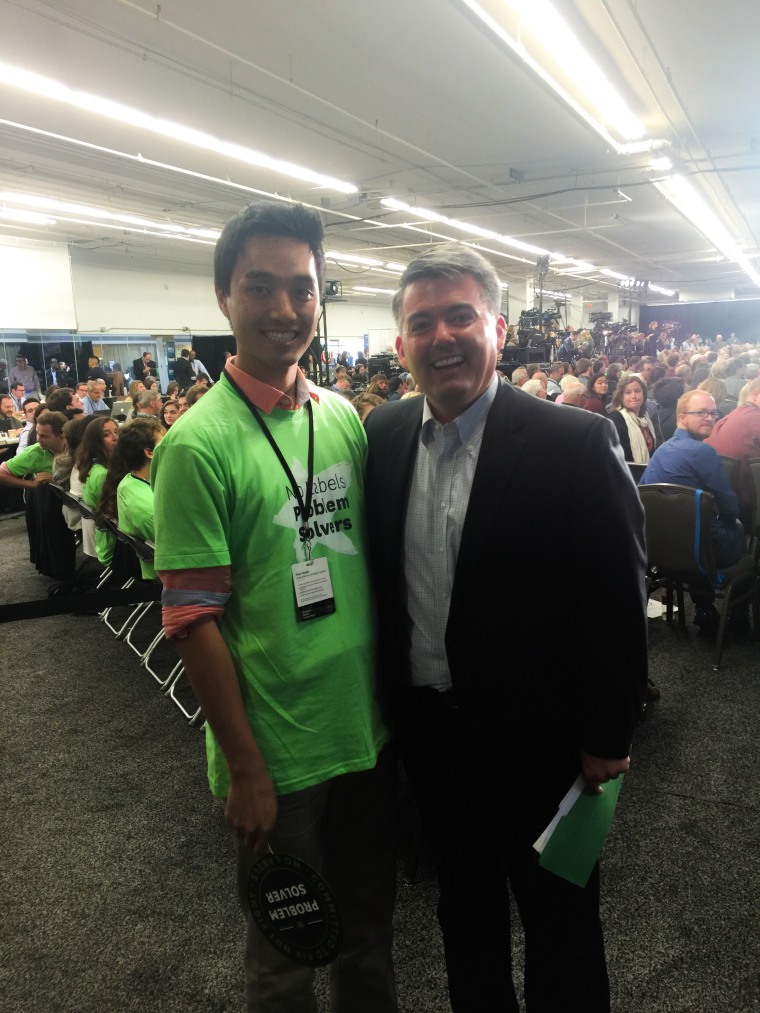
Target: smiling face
[(449, 341), (633, 397), (697, 425), (272, 305), (600, 386)]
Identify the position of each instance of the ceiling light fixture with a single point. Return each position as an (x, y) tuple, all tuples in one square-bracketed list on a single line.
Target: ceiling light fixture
[(426, 214), (686, 199), (604, 109), (352, 258), (44, 87), (25, 217), (84, 214)]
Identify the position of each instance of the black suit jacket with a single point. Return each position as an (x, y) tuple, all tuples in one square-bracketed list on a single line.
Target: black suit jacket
[(546, 635), (183, 373), (139, 367)]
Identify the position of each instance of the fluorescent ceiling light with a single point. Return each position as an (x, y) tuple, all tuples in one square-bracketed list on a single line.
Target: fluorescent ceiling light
[(367, 288), (474, 230), (578, 266), (84, 214), (44, 87), (686, 199), (642, 147), (25, 217), (352, 258), (662, 164), (604, 109), (614, 274), (662, 291)]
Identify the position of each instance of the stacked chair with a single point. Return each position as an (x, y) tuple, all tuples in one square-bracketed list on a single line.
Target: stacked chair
[(125, 572)]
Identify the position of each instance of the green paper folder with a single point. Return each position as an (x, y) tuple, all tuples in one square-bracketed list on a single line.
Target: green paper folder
[(579, 837)]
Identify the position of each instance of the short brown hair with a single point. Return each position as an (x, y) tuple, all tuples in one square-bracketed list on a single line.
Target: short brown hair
[(195, 393), (56, 420), (683, 402)]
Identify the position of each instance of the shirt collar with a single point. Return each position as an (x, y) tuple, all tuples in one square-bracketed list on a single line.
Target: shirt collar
[(265, 397), (469, 422), (684, 434)]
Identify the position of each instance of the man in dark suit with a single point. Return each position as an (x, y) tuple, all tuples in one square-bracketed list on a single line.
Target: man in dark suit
[(144, 366), (183, 370), (469, 489)]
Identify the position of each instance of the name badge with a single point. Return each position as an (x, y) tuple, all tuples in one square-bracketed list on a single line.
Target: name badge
[(313, 588)]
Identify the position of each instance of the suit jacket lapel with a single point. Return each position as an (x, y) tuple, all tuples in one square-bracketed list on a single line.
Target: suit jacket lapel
[(500, 453)]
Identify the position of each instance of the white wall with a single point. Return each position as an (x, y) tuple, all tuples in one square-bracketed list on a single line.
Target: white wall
[(113, 300)]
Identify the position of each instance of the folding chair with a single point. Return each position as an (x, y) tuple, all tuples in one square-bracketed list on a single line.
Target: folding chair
[(680, 555), (176, 674)]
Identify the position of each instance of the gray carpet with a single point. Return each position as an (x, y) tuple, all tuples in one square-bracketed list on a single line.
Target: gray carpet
[(117, 872)]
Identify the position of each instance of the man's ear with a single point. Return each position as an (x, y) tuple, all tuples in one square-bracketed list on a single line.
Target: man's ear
[(400, 351), (221, 298), (501, 332)]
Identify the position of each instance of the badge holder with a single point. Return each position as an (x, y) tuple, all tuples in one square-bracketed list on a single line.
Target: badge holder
[(313, 589)]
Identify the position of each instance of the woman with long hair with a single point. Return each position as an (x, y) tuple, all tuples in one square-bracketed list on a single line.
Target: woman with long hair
[(170, 413), (91, 463), (598, 398), (127, 496), (628, 414)]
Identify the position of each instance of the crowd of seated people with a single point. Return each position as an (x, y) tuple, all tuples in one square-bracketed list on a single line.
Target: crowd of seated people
[(639, 396), (78, 462)]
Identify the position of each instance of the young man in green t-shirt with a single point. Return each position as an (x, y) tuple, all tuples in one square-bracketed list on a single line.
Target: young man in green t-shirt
[(258, 486), (36, 460)]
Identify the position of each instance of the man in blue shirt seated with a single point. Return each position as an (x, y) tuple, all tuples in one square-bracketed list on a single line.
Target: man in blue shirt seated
[(685, 459)]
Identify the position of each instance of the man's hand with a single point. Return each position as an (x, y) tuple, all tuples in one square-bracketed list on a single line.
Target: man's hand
[(251, 810), (597, 770)]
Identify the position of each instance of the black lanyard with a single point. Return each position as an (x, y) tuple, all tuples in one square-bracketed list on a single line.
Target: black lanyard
[(304, 507)]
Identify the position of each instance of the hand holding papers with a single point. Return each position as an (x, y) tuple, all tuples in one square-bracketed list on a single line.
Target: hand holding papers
[(572, 842)]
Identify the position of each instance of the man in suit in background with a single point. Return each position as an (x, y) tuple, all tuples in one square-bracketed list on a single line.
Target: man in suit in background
[(144, 366), (183, 370), (468, 490)]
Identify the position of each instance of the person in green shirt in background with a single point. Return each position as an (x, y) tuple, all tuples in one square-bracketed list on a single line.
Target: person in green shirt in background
[(127, 496), (36, 460), (91, 461)]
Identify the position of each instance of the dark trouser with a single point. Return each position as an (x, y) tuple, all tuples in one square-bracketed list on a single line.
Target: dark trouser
[(479, 845), (345, 829), (729, 545)]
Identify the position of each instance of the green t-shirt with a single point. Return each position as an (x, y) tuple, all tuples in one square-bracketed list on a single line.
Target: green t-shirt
[(223, 499), (134, 499), (31, 461), (104, 540)]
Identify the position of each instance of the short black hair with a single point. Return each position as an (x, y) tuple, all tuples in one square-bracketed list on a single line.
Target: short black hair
[(267, 218)]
